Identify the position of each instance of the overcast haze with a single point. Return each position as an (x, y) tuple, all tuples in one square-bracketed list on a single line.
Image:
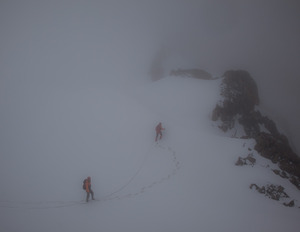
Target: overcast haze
[(76, 100), (69, 43)]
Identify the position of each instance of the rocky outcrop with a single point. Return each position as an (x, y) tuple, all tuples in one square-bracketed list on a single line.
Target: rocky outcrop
[(240, 90), (249, 160), (240, 96), (194, 73), (290, 204), (278, 151), (274, 192)]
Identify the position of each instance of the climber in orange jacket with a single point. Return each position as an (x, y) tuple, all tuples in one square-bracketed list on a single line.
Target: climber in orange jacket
[(88, 188), (158, 130)]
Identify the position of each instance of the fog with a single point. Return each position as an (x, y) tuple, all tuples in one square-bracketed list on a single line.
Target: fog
[(52, 44), (71, 69), (47, 44)]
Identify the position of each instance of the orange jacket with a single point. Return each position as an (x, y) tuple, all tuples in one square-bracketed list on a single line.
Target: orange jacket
[(87, 185)]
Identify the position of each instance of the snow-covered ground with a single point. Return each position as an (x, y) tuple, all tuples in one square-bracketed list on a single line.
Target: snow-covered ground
[(188, 181)]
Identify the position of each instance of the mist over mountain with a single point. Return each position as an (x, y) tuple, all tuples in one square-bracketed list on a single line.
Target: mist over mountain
[(90, 42), (77, 100), (240, 118)]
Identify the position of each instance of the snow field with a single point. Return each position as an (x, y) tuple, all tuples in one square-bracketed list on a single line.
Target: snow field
[(185, 182)]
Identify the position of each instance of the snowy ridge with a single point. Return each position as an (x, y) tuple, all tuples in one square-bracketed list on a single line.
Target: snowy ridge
[(186, 182)]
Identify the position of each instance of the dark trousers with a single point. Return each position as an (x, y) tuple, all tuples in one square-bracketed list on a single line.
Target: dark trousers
[(88, 195)]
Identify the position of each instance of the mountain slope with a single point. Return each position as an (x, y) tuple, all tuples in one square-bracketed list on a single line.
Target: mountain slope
[(188, 181)]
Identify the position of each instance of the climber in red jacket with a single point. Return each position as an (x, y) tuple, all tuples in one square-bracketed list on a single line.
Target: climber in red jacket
[(158, 130)]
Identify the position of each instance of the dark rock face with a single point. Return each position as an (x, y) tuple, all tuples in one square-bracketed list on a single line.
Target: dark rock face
[(240, 98), (280, 173), (275, 192), (240, 90), (249, 160), (278, 151), (290, 204), (195, 73)]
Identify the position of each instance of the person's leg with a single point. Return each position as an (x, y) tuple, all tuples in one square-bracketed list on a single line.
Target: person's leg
[(87, 196), (92, 193)]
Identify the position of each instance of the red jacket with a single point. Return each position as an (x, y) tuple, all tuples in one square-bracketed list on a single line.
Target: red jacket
[(159, 128)]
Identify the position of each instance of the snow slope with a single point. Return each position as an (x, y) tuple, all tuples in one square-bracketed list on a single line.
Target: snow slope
[(185, 182)]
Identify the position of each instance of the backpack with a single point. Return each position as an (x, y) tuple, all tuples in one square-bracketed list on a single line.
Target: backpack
[(83, 186)]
